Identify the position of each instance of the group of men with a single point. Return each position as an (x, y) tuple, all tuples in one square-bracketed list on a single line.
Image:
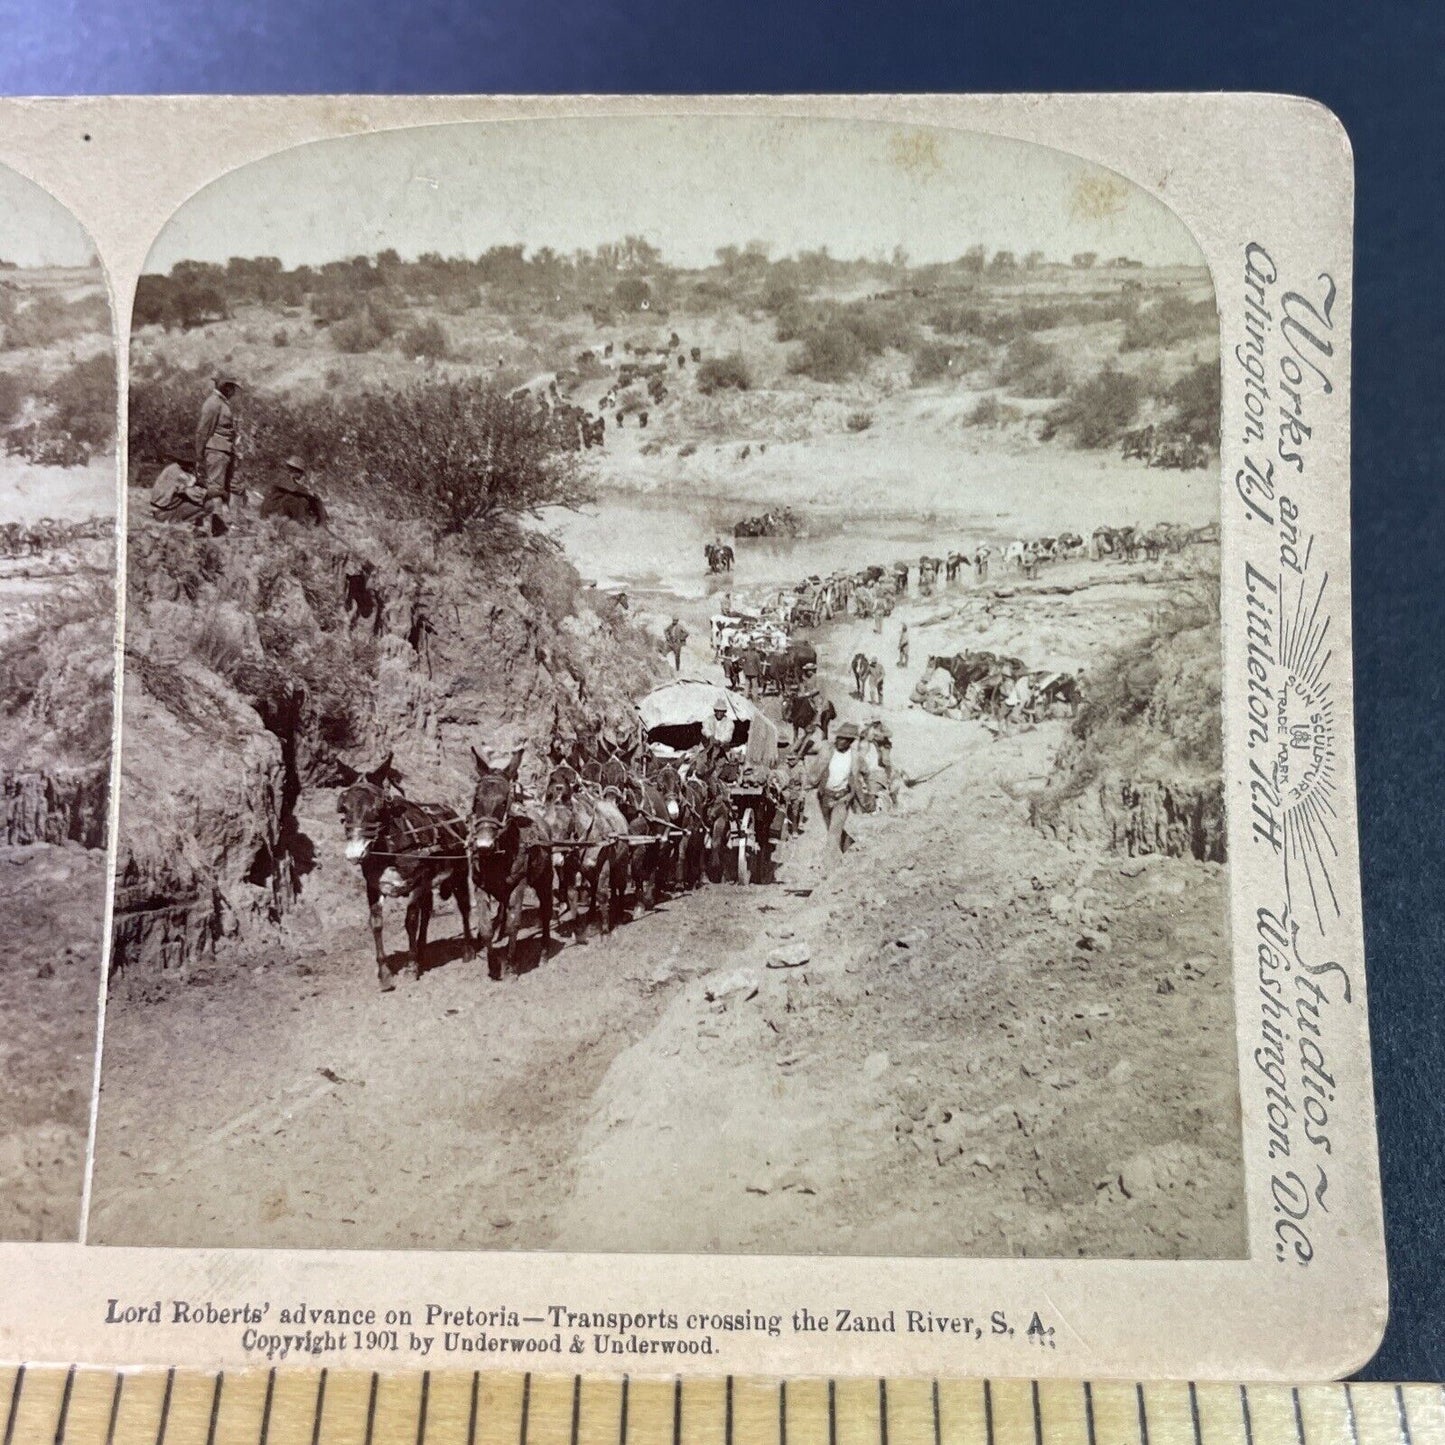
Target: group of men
[(199, 487)]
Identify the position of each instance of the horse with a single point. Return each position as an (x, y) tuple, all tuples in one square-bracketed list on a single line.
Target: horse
[(859, 669), (405, 850), (510, 851)]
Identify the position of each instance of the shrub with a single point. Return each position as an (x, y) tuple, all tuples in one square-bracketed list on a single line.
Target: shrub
[(356, 334), (932, 361), (719, 373), (687, 450), (986, 411), (1196, 401), (829, 353), (859, 420), (46, 319), (1096, 412), (13, 395), (1167, 321), (82, 402), (281, 337), (463, 456), (425, 339), (1030, 367)]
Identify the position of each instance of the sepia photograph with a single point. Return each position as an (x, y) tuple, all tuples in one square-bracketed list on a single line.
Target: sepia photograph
[(57, 637), (672, 700)]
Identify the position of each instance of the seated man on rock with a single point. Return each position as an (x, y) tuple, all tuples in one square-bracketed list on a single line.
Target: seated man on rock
[(177, 496), (289, 498)]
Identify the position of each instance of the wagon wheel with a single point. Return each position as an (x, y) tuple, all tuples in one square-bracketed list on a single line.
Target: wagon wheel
[(747, 844)]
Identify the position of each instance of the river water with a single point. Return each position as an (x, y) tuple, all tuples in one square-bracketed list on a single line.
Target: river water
[(653, 548)]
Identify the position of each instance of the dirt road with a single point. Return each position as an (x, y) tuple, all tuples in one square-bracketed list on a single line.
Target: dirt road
[(994, 1046)]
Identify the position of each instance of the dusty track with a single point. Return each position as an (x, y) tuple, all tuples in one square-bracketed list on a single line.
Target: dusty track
[(996, 1046)]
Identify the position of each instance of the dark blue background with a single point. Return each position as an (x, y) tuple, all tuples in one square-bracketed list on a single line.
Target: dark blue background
[(1377, 65)]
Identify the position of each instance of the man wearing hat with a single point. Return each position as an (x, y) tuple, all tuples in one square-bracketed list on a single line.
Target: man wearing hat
[(718, 731), (289, 498), (676, 639), (176, 496), (216, 439), (842, 788)]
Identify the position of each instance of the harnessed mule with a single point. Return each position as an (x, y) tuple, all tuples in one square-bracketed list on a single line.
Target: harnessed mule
[(511, 851), (601, 863), (405, 850)]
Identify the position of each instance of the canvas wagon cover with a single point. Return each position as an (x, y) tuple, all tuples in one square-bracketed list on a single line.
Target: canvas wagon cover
[(690, 701)]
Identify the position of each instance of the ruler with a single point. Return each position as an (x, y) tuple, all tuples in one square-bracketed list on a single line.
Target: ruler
[(80, 1406)]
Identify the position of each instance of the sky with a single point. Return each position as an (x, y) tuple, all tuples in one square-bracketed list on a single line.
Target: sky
[(688, 184), (35, 229)]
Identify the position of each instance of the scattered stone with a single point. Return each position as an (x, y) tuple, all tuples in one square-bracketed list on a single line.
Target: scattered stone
[(984, 1161), (1133, 867), (1061, 906), (46, 969), (875, 1066), (1166, 985), (791, 955), (741, 981)]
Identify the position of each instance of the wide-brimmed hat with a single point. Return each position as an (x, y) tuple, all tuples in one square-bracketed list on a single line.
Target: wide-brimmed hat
[(847, 732), (294, 464), (226, 378)]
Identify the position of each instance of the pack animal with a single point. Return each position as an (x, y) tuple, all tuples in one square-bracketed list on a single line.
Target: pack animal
[(405, 850)]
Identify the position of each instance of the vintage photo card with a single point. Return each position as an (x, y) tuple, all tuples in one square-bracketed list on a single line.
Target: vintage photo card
[(735, 740), (57, 663)]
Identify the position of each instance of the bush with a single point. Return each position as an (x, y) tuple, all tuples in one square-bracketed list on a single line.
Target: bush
[(14, 393), (687, 450), (464, 457), (859, 420), (829, 353), (82, 402), (932, 361), (356, 334), (986, 411), (1196, 401), (719, 373), (425, 339), (1167, 321), (46, 319), (1030, 367), (281, 337), (1097, 412)]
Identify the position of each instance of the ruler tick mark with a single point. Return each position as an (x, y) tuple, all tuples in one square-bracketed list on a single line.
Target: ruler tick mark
[(1404, 1416), (472, 1413), (622, 1415), (988, 1413), (371, 1409), (782, 1412), (1194, 1413), (832, 1413), (882, 1411), (576, 1407), (937, 1416), (1244, 1411), (266, 1408), (1350, 1416), (526, 1405), (1143, 1415), (316, 1414), (421, 1407), (166, 1408), (728, 1413), (115, 1411), (64, 1406), (15, 1390), (1038, 1414), (1089, 1410), (1299, 1419)]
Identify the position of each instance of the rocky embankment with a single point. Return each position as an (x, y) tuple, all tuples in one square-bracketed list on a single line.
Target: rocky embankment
[(265, 664), (54, 805), (1142, 773)]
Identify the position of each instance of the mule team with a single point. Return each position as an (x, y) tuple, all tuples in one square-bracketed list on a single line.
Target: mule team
[(613, 823)]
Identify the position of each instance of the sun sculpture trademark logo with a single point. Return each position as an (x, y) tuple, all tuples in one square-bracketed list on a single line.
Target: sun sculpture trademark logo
[(1304, 757)]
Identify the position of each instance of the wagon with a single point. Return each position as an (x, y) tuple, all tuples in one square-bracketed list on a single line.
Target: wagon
[(749, 840)]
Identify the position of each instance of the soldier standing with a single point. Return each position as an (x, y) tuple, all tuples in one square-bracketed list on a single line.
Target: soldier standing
[(675, 637), (903, 646), (216, 440)]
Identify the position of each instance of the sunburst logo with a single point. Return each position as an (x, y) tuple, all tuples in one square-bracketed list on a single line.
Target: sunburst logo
[(1305, 763)]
